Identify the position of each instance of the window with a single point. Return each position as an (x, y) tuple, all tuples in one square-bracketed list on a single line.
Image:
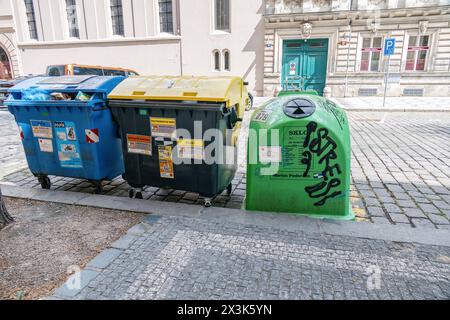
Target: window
[(5, 67), (216, 60), (418, 47), (117, 17), (29, 7), (56, 71), (226, 60), (222, 15), (165, 16), (72, 18), (371, 54), (80, 71), (112, 72)]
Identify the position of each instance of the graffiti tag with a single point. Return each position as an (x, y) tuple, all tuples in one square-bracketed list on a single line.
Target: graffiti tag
[(319, 143)]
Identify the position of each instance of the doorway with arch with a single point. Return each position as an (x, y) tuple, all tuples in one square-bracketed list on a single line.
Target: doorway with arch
[(5, 66)]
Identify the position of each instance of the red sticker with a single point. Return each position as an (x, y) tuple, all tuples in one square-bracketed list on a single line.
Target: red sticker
[(92, 136), (22, 136)]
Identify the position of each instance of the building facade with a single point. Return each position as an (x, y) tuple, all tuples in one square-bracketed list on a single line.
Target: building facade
[(333, 46), (337, 47), (10, 64), (164, 37)]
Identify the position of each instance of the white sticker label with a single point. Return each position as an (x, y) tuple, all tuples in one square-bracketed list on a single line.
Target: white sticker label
[(269, 154), (292, 69), (46, 145), (190, 149), (42, 129)]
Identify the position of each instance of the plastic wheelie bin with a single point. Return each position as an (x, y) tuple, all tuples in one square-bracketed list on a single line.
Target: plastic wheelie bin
[(67, 129), (299, 158), (180, 132)]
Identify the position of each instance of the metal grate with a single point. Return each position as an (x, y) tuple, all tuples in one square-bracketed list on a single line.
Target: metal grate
[(31, 19), (117, 17), (72, 18), (165, 16), (222, 12), (367, 92), (410, 92)]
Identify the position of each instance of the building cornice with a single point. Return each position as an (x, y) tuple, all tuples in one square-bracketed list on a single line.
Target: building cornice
[(7, 30), (112, 41), (356, 14)]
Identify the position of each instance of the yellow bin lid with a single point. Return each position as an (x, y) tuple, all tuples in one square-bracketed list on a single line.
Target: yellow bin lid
[(212, 89)]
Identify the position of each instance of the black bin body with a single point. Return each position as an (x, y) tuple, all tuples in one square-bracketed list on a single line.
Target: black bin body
[(134, 118)]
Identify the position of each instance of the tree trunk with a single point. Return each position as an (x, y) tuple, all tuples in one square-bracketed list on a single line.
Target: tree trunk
[(5, 218)]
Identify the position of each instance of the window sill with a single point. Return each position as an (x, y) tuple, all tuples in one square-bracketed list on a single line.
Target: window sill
[(221, 32), (166, 34), (159, 37)]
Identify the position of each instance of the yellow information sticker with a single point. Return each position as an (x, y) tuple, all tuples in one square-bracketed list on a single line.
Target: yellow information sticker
[(190, 149), (139, 144), (165, 162), (163, 127)]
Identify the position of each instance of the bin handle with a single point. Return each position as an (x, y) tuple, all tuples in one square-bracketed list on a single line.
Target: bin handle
[(225, 110), (100, 109)]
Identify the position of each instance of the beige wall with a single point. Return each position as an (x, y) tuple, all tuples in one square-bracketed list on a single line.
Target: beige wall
[(245, 41), (145, 57)]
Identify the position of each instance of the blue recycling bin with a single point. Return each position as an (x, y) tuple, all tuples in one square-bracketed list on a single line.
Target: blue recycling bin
[(67, 129)]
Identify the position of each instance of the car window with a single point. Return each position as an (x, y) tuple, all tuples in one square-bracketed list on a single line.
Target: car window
[(77, 71), (112, 72), (55, 71)]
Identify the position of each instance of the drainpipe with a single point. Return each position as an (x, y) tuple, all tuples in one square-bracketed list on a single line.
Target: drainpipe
[(85, 22), (132, 17), (179, 34)]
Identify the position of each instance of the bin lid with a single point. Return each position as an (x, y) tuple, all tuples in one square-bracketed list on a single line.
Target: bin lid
[(212, 89), (69, 84)]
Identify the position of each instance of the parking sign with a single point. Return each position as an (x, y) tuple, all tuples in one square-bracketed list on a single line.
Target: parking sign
[(389, 46)]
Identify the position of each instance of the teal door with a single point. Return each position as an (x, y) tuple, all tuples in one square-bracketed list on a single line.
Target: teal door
[(304, 65)]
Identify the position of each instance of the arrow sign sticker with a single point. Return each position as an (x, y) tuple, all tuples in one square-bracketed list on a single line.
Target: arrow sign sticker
[(92, 136)]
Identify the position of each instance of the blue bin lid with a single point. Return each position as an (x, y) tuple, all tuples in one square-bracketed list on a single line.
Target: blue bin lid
[(69, 84)]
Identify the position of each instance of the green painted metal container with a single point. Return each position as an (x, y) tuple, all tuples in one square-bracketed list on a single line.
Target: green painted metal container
[(296, 92), (299, 158)]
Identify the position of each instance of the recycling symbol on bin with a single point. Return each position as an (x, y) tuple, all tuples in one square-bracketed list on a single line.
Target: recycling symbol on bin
[(299, 108)]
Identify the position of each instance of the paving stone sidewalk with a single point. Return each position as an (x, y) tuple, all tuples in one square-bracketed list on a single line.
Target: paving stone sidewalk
[(189, 258), (421, 104), (400, 170)]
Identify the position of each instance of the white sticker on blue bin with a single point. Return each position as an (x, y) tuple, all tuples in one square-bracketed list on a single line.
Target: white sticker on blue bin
[(46, 145), (68, 146), (42, 129)]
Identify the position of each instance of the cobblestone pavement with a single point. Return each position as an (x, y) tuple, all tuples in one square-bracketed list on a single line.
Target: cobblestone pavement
[(189, 258), (400, 169), (12, 157)]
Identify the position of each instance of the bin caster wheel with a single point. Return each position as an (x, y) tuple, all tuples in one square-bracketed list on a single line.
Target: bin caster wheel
[(229, 189), (45, 183), (131, 194), (139, 195), (98, 188), (207, 203)]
